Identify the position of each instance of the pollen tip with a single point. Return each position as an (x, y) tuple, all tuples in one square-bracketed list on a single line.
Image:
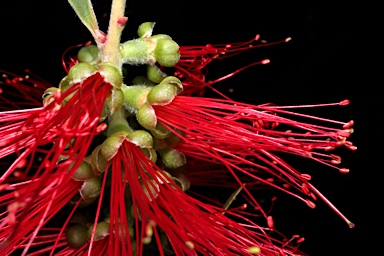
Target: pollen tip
[(266, 61), (189, 244), (344, 102), (344, 170), (288, 39), (254, 250)]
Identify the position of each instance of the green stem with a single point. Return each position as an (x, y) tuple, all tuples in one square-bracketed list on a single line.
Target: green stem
[(118, 123), (110, 49)]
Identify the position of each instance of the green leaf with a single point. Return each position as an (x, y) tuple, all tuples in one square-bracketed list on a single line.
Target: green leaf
[(84, 11)]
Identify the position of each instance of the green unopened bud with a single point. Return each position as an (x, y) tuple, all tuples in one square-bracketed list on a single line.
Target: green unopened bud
[(142, 80), (145, 29), (182, 181), (103, 114), (80, 72), (163, 177), (98, 161), (74, 200), (146, 116), (89, 54), (173, 80), (172, 158), (90, 189), (102, 230), (157, 37), (48, 95), (159, 143), (115, 100), (167, 52), (141, 138), (79, 218), (76, 236), (83, 172), (150, 153), (136, 52), (163, 93), (134, 96), (155, 74), (111, 145), (65, 85), (151, 189), (110, 74), (173, 140), (160, 131)]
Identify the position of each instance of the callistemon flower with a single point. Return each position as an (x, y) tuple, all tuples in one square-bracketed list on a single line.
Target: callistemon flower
[(105, 166)]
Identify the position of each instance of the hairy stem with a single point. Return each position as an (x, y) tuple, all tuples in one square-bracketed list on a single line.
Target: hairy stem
[(117, 21)]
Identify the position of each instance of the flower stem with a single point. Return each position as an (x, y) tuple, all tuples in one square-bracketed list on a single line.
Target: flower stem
[(117, 21), (118, 123)]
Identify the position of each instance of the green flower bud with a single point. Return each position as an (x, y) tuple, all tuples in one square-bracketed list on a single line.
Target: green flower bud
[(141, 138), (155, 74), (103, 114), (98, 161), (65, 85), (76, 236), (182, 181), (89, 54), (115, 100), (172, 158), (146, 116), (83, 172), (136, 51), (80, 72), (157, 37), (173, 140), (163, 93), (173, 80), (110, 146), (145, 29), (163, 176), (90, 189), (167, 52), (151, 189), (110, 74), (159, 143), (102, 230), (134, 96), (74, 200), (142, 80), (150, 153), (79, 218), (160, 131), (48, 95)]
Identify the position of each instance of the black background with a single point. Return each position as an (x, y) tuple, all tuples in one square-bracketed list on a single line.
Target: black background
[(327, 60)]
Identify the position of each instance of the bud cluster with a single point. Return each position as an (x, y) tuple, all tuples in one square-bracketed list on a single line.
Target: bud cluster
[(129, 115)]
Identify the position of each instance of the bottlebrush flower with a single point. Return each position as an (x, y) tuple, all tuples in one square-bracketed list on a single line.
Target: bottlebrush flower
[(107, 167)]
